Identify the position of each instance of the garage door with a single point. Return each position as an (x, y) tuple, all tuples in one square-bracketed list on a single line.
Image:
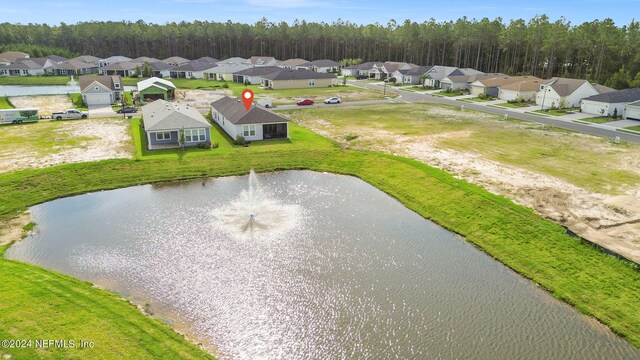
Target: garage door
[(596, 108), (633, 113), (98, 99)]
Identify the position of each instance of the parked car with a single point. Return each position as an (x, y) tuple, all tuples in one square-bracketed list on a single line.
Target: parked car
[(362, 77), (69, 114), (305, 102), (333, 100), (265, 102), (127, 109)]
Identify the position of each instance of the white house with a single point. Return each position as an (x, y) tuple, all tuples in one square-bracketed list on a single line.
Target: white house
[(264, 61), (26, 67), (295, 64), (194, 69), (610, 103), (254, 75), (224, 72), (101, 89), (112, 60), (632, 111), (257, 123), (124, 68), (324, 66), (438, 72), (564, 92), (165, 123)]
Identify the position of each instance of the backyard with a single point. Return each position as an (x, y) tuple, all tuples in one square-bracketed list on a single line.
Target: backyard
[(586, 183)]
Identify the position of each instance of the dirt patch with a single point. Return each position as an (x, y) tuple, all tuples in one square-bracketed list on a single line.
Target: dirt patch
[(100, 140), (46, 104), (13, 229), (200, 99), (610, 221)]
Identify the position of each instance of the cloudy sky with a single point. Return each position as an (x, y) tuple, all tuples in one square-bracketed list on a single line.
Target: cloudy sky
[(358, 11)]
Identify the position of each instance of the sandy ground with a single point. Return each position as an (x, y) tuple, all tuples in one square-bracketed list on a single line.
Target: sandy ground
[(109, 139), (610, 221), (45, 103), (200, 99), (12, 230)]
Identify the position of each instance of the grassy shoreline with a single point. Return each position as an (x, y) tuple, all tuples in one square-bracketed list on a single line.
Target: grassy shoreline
[(577, 273)]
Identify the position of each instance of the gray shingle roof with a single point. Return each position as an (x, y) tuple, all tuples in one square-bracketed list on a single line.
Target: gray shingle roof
[(108, 81), (419, 71), (125, 65), (86, 58), (24, 64), (195, 65), (300, 74), (74, 65), (163, 115), (324, 63), (619, 96), (259, 70), (363, 66), (234, 111)]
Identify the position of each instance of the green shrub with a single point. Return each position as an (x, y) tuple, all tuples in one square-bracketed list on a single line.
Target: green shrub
[(240, 140), (204, 145)]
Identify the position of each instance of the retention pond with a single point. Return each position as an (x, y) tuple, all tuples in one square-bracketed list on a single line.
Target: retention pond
[(304, 265)]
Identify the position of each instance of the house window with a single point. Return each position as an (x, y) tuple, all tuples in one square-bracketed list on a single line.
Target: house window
[(116, 85), (163, 136), (248, 130), (312, 82), (96, 88), (25, 72), (193, 135)]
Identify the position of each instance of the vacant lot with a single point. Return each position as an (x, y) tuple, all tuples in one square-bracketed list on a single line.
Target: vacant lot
[(586, 183), (48, 143), (46, 104)]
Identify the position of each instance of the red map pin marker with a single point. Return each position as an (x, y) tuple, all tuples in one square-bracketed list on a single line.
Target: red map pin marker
[(247, 98)]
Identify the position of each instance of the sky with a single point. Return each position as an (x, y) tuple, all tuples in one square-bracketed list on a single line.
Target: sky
[(356, 11)]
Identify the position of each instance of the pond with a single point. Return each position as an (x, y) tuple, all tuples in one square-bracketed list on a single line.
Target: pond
[(307, 265), (27, 90)]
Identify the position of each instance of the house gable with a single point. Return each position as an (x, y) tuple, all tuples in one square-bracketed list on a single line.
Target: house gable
[(96, 88)]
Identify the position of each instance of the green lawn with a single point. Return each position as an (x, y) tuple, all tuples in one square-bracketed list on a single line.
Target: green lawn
[(599, 119), (5, 104), (636, 128), (448, 94), (592, 163), (36, 303), (553, 112), (77, 101), (516, 105), (34, 80)]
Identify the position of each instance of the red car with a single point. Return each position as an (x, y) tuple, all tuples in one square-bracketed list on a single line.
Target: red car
[(305, 102)]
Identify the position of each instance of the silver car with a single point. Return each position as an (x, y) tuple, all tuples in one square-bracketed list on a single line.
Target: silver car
[(333, 100)]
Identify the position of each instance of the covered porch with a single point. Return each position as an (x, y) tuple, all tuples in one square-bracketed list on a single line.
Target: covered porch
[(275, 131)]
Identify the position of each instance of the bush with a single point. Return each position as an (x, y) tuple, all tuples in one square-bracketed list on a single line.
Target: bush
[(215, 145), (225, 85), (204, 145), (240, 140)]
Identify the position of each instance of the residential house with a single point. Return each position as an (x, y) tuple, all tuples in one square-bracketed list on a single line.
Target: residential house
[(155, 88), (525, 90), (9, 57), (264, 61), (632, 111), (167, 124), (224, 72), (176, 61), (56, 59), (72, 67), (89, 59), (234, 61), (193, 69), (609, 103), (144, 59), (253, 75), (161, 69), (384, 70), (358, 70), (490, 85), (124, 68), (411, 76), (27, 67), (297, 79), (257, 123), (437, 73), (456, 82), (296, 63), (112, 60), (101, 89), (564, 92), (325, 66)]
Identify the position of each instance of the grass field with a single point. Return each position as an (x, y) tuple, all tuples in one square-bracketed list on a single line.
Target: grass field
[(576, 159), (5, 104), (571, 270), (449, 94), (516, 105), (34, 80), (636, 128), (44, 137), (599, 119)]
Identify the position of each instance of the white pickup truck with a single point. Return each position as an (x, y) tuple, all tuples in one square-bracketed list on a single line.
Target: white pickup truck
[(69, 114)]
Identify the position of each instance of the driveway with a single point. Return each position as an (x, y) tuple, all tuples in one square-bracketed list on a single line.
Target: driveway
[(623, 123), (101, 111)]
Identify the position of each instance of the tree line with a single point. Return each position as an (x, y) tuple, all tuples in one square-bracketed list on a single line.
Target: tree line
[(598, 50)]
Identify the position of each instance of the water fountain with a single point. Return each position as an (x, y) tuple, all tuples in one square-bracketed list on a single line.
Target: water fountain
[(72, 82), (254, 215)]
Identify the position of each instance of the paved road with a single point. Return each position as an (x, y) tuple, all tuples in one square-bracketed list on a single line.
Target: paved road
[(342, 104), (595, 129)]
